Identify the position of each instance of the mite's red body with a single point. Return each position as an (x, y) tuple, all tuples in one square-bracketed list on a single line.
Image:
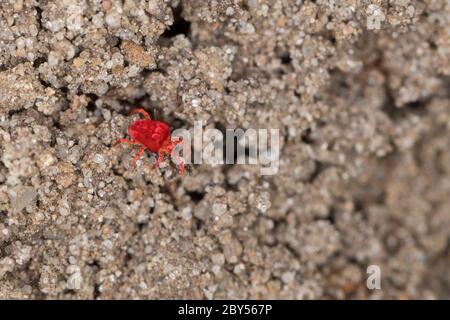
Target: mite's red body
[(154, 136)]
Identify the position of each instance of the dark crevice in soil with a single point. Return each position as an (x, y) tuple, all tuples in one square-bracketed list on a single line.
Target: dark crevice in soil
[(44, 83), (94, 264), (390, 108), (180, 26), (113, 41), (69, 291), (319, 168), (57, 125), (96, 293), (358, 205), (168, 191), (39, 16), (127, 258), (13, 112), (331, 216), (198, 224), (91, 104), (141, 226), (292, 250), (306, 136), (286, 59), (244, 6), (417, 107), (146, 72), (64, 90), (196, 196)]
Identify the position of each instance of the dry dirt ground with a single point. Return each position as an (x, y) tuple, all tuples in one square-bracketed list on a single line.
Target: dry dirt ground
[(359, 90)]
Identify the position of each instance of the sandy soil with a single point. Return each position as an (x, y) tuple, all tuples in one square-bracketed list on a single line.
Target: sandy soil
[(360, 90)]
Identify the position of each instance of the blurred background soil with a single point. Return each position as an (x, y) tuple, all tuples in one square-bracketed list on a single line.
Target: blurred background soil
[(360, 90)]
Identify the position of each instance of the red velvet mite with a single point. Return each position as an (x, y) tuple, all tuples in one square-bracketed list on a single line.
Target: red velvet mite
[(152, 135)]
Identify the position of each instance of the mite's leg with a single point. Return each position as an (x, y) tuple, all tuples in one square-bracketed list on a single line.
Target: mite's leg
[(141, 111), (138, 155), (160, 158), (180, 163), (174, 142)]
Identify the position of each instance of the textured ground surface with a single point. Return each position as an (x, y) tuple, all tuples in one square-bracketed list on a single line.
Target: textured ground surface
[(358, 88)]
